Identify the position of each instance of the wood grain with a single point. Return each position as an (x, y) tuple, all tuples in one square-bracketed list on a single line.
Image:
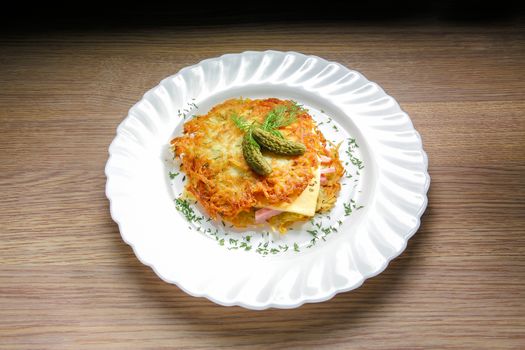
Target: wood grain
[(67, 281)]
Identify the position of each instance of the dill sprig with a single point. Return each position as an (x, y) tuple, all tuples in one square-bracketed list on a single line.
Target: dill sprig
[(281, 116), (246, 127), (278, 117), (241, 123)]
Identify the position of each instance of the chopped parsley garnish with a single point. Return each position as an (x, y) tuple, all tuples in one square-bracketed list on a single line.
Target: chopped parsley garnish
[(184, 113), (348, 209), (312, 232), (262, 251), (173, 175), (183, 206), (326, 230)]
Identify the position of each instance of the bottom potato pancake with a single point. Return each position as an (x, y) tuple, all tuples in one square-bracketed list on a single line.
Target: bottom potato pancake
[(220, 179)]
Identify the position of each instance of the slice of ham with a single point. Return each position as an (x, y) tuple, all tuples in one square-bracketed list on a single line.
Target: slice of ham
[(264, 214), (325, 159), (323, 179), (327, 170)]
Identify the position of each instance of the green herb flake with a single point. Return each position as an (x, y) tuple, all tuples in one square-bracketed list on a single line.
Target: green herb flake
[(184, 207), (348, 209), (262, 251), (326, 230), (312, 232)]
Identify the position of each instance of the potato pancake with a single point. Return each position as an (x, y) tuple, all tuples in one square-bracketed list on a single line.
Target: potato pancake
[(221, 180)]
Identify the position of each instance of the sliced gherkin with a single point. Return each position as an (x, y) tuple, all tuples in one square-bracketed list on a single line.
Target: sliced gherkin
[(253, 156), (277, 144)]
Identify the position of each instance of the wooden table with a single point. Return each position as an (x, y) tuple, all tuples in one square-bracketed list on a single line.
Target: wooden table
[(67, 281)]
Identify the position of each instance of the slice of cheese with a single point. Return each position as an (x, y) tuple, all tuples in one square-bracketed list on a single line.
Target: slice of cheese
[(306, 203)]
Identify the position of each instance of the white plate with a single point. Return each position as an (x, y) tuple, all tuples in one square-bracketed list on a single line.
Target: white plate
[(377, 211)]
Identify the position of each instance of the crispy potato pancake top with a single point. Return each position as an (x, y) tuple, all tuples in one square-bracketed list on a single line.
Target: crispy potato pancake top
[(217, 174)]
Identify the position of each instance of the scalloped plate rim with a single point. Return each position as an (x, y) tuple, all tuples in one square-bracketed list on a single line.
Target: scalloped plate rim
[(326, 296)]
